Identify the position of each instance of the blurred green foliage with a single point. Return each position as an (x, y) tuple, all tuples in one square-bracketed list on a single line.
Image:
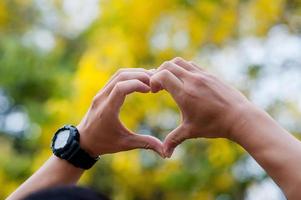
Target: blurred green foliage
[(55, 87)]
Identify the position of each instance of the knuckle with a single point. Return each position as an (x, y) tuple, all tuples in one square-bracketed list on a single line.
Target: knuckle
[(97, 99), (95, 102), (177, 59), (197, 79), (118, 87), (164, 73), (165, 65), (122, 75), (143, 76), (126, 75), (135, 81), (160, 77), (138, 84), (119, 71)]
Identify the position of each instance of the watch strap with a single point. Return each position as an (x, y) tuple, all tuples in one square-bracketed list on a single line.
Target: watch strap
[(80, 158)]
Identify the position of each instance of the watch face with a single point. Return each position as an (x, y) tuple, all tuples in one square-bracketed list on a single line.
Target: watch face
[(61, 139)]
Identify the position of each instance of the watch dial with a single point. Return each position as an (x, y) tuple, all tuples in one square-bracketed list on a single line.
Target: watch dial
[(61, 139)]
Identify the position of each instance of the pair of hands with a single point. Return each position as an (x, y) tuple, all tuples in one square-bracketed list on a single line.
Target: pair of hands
[(209, 108)]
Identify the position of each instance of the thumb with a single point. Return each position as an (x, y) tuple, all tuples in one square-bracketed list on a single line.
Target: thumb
[(146, 142), (173, 139)]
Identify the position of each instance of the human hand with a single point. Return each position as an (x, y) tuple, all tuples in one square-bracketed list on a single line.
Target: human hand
[(208, 106), (101, 131)]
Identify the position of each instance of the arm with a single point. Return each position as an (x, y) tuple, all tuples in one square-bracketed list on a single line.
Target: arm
[(212, 109), (276, 150), (101, 132), (54, 172)]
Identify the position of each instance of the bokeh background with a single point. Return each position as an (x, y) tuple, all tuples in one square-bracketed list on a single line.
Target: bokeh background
[(56, 54)]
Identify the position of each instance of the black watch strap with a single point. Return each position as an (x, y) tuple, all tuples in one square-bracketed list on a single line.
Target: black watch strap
[(80, 158)]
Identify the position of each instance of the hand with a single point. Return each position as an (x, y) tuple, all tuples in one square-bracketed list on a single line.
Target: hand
[(101, 131), (208, 106)]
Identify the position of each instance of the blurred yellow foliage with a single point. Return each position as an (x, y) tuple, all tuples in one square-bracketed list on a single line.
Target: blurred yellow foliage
[(124, 35), (262, 14), (220, 153), (3, 14), (122, 38)]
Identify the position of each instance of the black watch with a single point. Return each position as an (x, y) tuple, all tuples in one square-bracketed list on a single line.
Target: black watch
[(65, 145)]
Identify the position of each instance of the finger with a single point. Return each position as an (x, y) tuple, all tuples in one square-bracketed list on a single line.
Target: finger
[(178, 71), (152, 71), (128, 75), (145, 142), (196, 66), (123, 88), (122, 70), (185, 64), (166, 80), (173, 139)]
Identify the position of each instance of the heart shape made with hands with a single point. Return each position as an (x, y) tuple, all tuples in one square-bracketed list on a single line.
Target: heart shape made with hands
[(101, 128), (208, 106), (201, 98), (169, 77), (197, 95), (163, 98)]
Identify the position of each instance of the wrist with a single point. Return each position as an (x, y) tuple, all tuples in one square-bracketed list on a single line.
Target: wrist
[(64, 164), (246, 118), (85, 143)]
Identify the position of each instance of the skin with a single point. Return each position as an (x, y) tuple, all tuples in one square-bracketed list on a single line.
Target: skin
[(101, 132), (210, 109), (213, 109)]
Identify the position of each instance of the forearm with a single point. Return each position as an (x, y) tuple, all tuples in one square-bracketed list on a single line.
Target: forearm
[(54, 172), (100, 132), (276, 150)]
